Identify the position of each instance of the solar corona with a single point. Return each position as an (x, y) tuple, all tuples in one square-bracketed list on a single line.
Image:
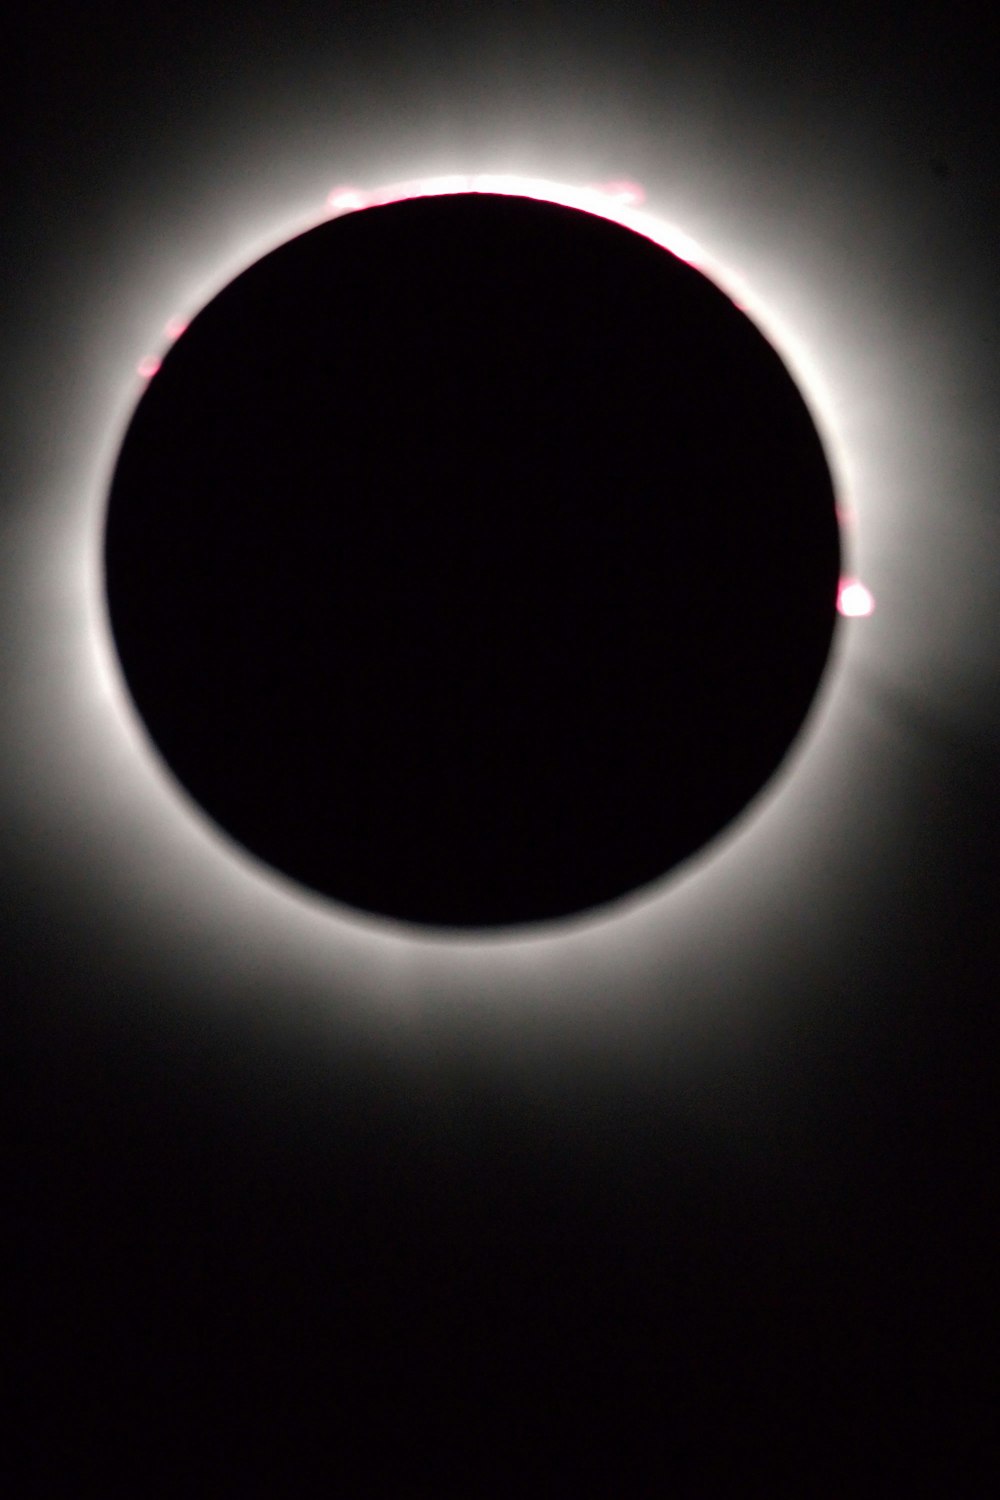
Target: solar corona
[(96, 789)]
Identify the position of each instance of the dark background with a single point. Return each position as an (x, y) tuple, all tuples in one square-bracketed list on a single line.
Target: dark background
[(703, 1213)]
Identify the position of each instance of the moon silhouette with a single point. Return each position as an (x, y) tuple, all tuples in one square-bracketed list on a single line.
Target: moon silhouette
[(472, 560)]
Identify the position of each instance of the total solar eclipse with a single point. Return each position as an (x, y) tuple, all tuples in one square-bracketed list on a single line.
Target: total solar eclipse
[(472, 560)]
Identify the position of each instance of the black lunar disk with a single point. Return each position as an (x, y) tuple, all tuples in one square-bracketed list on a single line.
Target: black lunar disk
[(472, 560)]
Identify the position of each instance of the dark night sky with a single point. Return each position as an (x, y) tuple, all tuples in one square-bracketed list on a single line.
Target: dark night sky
[(698, 1199)]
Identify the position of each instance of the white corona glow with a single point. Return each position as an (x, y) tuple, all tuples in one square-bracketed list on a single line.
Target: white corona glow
[(95, 788), (621, 204)]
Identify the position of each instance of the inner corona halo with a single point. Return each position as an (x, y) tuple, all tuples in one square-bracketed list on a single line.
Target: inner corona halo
[(471, 560)]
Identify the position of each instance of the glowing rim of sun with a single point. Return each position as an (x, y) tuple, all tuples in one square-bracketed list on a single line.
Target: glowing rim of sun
[(234, 887)]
